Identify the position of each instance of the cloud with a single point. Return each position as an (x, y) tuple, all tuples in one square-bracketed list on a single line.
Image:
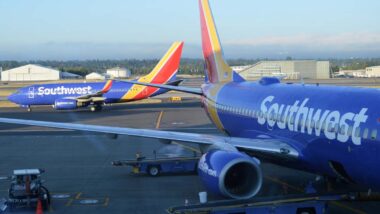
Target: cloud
[(314, 41), (306, 46), (303, 46)]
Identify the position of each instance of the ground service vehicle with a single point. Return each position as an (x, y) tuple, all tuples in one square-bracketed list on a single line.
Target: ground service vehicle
[(26, 189)]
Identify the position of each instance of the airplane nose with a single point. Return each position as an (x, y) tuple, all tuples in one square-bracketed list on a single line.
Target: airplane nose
[(12, 98)]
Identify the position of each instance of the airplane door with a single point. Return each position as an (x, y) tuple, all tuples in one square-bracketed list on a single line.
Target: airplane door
[(31, 93)]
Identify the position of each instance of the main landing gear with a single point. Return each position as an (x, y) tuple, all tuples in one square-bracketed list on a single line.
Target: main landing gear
[(94, 108)]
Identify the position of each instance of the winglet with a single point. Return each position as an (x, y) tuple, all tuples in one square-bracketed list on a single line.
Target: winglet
[(107, 86)]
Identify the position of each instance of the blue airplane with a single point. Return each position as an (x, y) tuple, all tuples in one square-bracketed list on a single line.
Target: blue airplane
[(68, 96), (327, 130)]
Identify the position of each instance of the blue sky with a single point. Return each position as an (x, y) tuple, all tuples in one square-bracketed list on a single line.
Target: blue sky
[(118, 29)]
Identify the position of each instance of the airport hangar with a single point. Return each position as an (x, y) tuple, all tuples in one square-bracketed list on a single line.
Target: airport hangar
[(290, 69), (32, 72)]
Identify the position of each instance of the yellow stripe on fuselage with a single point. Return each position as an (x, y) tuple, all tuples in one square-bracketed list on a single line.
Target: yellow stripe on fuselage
[(211, 105), (133, 92)]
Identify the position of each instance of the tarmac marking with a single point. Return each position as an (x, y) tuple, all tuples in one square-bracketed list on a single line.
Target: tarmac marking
[(159, 120), (275, 180), (51, 208), (78, 195), (93, 202), (348, 207), (69, 202), (106, 202)]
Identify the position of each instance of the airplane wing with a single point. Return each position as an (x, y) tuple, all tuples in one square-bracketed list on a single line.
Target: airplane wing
[(197, 91), (97, 94), (262, 146), (175, 82)]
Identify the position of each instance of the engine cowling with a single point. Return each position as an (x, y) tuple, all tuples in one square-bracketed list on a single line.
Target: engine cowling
[(65, 104), (230, 173)]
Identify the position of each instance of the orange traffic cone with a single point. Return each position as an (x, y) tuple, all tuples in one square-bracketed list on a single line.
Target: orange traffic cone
[(39, 207)]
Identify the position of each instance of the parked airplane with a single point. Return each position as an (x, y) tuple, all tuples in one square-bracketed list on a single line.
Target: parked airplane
[(64, 96), (327, 130)]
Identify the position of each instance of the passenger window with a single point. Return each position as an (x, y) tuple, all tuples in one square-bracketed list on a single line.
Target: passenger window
[(365, 133), (312, 124), (374, 134), (330, 127), (317, 126), (342, 130), (336, 128), (283, 119), (357, 132), (300, 123), (349, 133), (272, 117), (292, 120), (323, 127)]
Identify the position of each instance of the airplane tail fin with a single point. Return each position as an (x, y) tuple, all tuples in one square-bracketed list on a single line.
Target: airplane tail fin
[(167, 68), (217, 69), (107, 86)]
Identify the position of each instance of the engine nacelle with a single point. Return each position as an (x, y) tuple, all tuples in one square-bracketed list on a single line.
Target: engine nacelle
[(65, 104), (230, 173)]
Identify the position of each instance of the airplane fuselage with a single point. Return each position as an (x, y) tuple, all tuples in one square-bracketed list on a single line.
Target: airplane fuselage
[(334, 128), (47, 94)]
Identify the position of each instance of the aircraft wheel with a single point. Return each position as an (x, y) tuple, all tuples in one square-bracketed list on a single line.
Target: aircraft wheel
[(93, 108), (29, 109), (96, 108), (153, 171)]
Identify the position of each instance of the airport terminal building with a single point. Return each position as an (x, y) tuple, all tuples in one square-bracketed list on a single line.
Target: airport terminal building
[(290, 69)]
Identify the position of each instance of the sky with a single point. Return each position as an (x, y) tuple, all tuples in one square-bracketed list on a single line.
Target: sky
[(121, 29)]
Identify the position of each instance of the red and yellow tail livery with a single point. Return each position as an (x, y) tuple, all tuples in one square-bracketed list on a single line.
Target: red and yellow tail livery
[(217, 68), (162, 73)]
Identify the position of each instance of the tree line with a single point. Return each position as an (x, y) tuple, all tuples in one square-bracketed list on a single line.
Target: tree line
[(188, 66)]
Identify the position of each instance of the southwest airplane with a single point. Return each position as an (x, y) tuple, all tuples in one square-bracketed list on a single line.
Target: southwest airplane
[(327, 130), (66, 96)]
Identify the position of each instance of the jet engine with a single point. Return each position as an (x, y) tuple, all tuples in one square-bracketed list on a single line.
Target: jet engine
[(65, 104), (230, 173)]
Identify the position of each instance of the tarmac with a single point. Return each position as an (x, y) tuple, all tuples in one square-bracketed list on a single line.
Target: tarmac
[(78, 166)]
